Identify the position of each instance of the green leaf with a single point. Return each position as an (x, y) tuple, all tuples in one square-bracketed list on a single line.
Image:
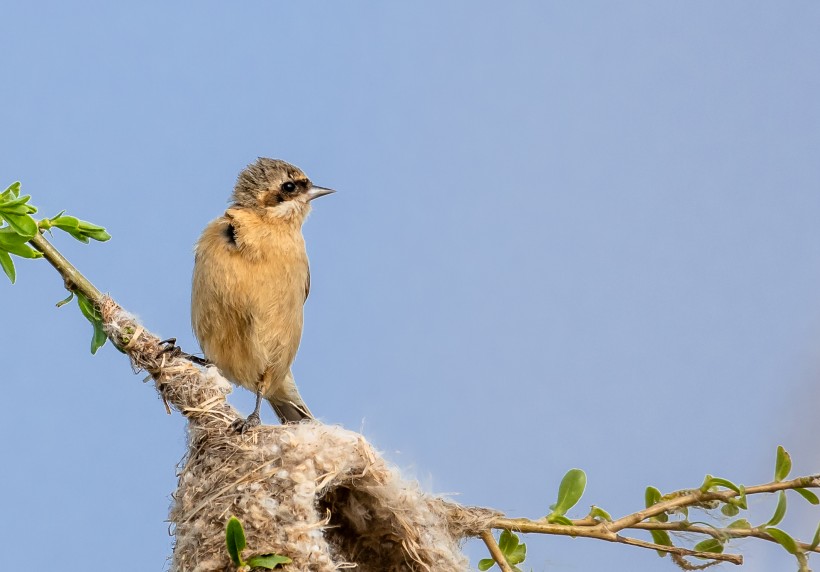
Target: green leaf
[(507, 541), (783, 539), (9, 237), (80, 229), (783, 464), (709, 545), (808, 495), (741, 500), (661, 537), (21, 249), (22, 224), (816, 540), (598, 512), (65, 300), (66, 222), (485, 564), (235, 540), (559, 519), (8, 266), (652, 496), (11, 192), (92, 315), (711, 481), (98, 338), (570, 491), (269, 561), (741, 523), (87, 308), (729, 510), (514, 551), (98, 235), (517, 555), (779, 511), (18, 205)]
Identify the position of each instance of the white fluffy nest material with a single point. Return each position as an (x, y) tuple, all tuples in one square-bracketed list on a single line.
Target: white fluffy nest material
[(318, 494)]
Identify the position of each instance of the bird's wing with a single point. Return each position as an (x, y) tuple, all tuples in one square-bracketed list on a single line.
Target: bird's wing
[(307, 284)]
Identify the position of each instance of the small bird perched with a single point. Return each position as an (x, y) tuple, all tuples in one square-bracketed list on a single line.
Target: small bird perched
[(251, 280)]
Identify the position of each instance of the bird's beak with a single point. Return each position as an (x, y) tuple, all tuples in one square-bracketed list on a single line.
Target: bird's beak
[(316, 192)]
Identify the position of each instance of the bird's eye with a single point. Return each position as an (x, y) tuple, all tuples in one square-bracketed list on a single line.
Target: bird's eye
[(289, 187)]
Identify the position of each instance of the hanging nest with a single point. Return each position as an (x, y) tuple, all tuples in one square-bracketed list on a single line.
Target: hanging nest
[(318, 494)]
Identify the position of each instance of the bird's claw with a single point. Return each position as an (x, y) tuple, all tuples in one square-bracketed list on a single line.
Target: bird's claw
[(173, 350), (243, 425)]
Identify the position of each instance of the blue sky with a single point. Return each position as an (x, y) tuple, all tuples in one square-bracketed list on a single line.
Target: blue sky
[(566, 235)]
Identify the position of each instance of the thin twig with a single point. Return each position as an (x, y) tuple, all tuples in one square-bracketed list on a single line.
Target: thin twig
[(74, 280), (495, 551), (541, 527), (589, 527), (718, 533), (697, 496), (733, 558)]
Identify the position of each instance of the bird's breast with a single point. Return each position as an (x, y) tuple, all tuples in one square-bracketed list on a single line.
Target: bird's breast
[(248, 296)]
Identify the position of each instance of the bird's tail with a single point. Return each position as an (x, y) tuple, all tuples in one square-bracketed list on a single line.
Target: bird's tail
[(288, 404)]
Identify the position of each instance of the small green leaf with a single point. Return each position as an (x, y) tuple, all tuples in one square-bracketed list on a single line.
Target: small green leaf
[(235, 540), (729, 510), (816, 540), (98, 235), (98, 338), (652, 496), (17, 206), (740, 523), (559, 519), (709, 545), (661, 537), (507, 541), (66, 222), (598, 512), (518, 555), (8, 266), (87, 308), (711, 481), (11, 192), (783, 539), (8, 237), (808, 495), (779, 511), (741, 500), (92, 315), (22, 250), (65, 300), (783, 464), (570, 491), (269, 561), (22, 224), (80, 229), (485, 564)]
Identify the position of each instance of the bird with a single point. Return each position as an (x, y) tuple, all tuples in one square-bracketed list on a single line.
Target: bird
[(251, 279)]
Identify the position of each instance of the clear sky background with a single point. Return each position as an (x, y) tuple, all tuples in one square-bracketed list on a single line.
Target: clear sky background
[(576, 234)]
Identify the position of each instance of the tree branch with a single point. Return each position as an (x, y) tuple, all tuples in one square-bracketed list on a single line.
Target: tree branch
[(495, 551)]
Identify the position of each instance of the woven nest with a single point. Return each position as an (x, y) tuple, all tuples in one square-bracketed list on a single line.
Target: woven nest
[(319, 494)]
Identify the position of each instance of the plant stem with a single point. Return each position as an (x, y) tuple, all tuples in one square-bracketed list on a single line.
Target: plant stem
[(73, 279)]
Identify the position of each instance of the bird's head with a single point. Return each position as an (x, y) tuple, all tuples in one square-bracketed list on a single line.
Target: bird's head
[(278, 188)]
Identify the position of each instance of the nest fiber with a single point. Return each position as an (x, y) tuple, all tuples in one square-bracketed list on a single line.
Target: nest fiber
[(318, 494)]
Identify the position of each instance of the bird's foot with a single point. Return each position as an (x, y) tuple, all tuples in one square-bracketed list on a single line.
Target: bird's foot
[(243, 425), (173, 350)]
